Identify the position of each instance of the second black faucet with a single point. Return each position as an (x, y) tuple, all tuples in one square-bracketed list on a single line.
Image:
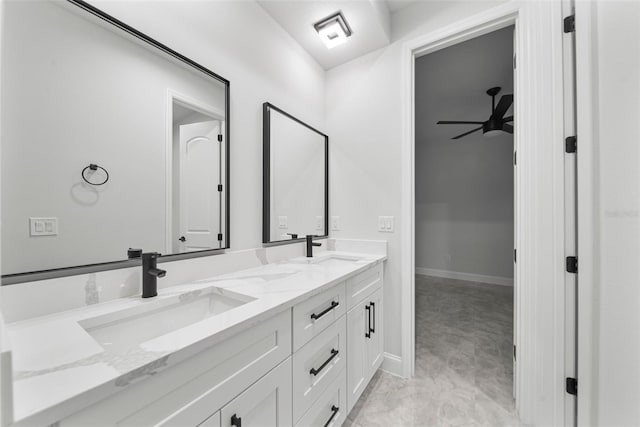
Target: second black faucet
[(310, 245)]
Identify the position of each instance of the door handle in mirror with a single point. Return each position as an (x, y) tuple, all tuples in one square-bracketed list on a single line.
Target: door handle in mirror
[(182, 239)]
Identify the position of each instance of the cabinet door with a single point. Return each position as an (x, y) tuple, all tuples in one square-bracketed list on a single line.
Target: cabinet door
[(357, 341), (212, 421), (267, 403), (374, 342)]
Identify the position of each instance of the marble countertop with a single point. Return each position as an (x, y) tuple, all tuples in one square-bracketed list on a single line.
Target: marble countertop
[(60, 368)]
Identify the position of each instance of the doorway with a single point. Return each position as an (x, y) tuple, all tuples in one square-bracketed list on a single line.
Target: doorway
[(464, 223), (542, 225), (196, 194)]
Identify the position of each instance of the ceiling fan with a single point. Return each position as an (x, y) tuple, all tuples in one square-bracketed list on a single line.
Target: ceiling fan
[(496, 123)]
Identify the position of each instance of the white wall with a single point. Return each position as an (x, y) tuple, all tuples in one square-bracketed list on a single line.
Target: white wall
[(464, 187), (608, 72), (363, 104), (263, 64)]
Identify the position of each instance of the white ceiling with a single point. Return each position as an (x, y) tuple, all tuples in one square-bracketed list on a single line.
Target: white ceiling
[(451, 84), (396, 5), (369, 20)]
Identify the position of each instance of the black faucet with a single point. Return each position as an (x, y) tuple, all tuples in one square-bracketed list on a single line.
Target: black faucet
[(150, 274), (310, 245)]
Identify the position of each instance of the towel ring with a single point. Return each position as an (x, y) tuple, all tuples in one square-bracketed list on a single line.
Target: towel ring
[(95, 167)]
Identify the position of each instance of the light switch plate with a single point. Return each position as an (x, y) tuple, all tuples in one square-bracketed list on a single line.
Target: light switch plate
[(43, 226), (335, 223), (385, 224), (282, 222), (319, 223)]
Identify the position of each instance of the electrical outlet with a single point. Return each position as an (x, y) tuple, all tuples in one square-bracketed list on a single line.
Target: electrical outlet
[(319, 223), (385, 224), (282, 222), (335, 223), (43, 226)]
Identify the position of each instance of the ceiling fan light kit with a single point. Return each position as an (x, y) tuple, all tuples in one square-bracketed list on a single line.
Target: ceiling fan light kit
[(496, 123)]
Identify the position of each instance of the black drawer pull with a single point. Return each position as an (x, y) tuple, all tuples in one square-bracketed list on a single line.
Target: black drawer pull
[(314, 371), (372, 330), (333, 305), (367, 332), (334, 411), (236, 421)]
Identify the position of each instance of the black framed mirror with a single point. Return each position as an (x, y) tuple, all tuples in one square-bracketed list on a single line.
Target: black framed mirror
[(295, 178), (110, 140)]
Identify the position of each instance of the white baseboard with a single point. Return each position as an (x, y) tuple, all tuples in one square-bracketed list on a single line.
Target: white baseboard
[(392, 364), (494, 280)]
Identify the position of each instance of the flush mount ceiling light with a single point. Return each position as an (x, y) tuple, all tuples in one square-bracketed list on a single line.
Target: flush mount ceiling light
[(333, 30)]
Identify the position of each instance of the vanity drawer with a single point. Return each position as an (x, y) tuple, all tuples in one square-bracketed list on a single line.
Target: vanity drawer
[(330, 410), (363, 284), (318, 364), (312, 316)]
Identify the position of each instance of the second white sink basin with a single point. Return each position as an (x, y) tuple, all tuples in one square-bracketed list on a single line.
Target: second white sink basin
[(123, 331), (332, 259)]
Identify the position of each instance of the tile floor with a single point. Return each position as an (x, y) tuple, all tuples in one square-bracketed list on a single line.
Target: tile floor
[(463, 362)]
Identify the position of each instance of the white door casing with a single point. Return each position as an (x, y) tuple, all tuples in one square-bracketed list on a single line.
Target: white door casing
[(539, 141)]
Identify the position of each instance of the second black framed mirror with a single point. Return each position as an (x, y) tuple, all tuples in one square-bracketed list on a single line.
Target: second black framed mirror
[(295, 178)]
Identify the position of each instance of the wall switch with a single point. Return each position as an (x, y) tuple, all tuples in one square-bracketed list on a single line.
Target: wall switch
[(319, 223), (335, 223), (43, 226), (385, 224), (282, 222)]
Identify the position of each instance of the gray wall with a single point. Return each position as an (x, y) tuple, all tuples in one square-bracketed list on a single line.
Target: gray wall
[(464, 188)]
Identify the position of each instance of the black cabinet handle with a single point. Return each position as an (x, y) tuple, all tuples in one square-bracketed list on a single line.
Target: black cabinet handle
[(367, 332), (334, 411), (182, 239), (314, 371), (372, 330), (236, 421), (333, 305)]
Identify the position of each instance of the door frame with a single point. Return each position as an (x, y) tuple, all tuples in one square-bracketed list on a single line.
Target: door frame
[(201, 107), (539, 275)]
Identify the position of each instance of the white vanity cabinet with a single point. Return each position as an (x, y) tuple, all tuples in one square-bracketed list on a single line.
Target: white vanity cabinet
[(212, 421), (265, 403), (194, 390), (303, 367), (364, 333), (317, 364)]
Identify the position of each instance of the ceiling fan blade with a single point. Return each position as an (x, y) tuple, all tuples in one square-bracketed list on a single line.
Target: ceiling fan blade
[(507, 128), (508, 119), (453, 122), (503, 106), (467, 133)]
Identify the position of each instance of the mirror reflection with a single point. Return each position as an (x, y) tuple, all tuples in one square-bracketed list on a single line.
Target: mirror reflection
[(109, 142), (295, 182)]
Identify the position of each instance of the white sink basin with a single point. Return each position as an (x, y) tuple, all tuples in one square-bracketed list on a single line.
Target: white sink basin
[(123, 331), (332, 259)]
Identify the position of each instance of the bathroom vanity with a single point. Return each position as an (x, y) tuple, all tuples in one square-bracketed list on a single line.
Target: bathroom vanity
[(290, 343), (260, 337)]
